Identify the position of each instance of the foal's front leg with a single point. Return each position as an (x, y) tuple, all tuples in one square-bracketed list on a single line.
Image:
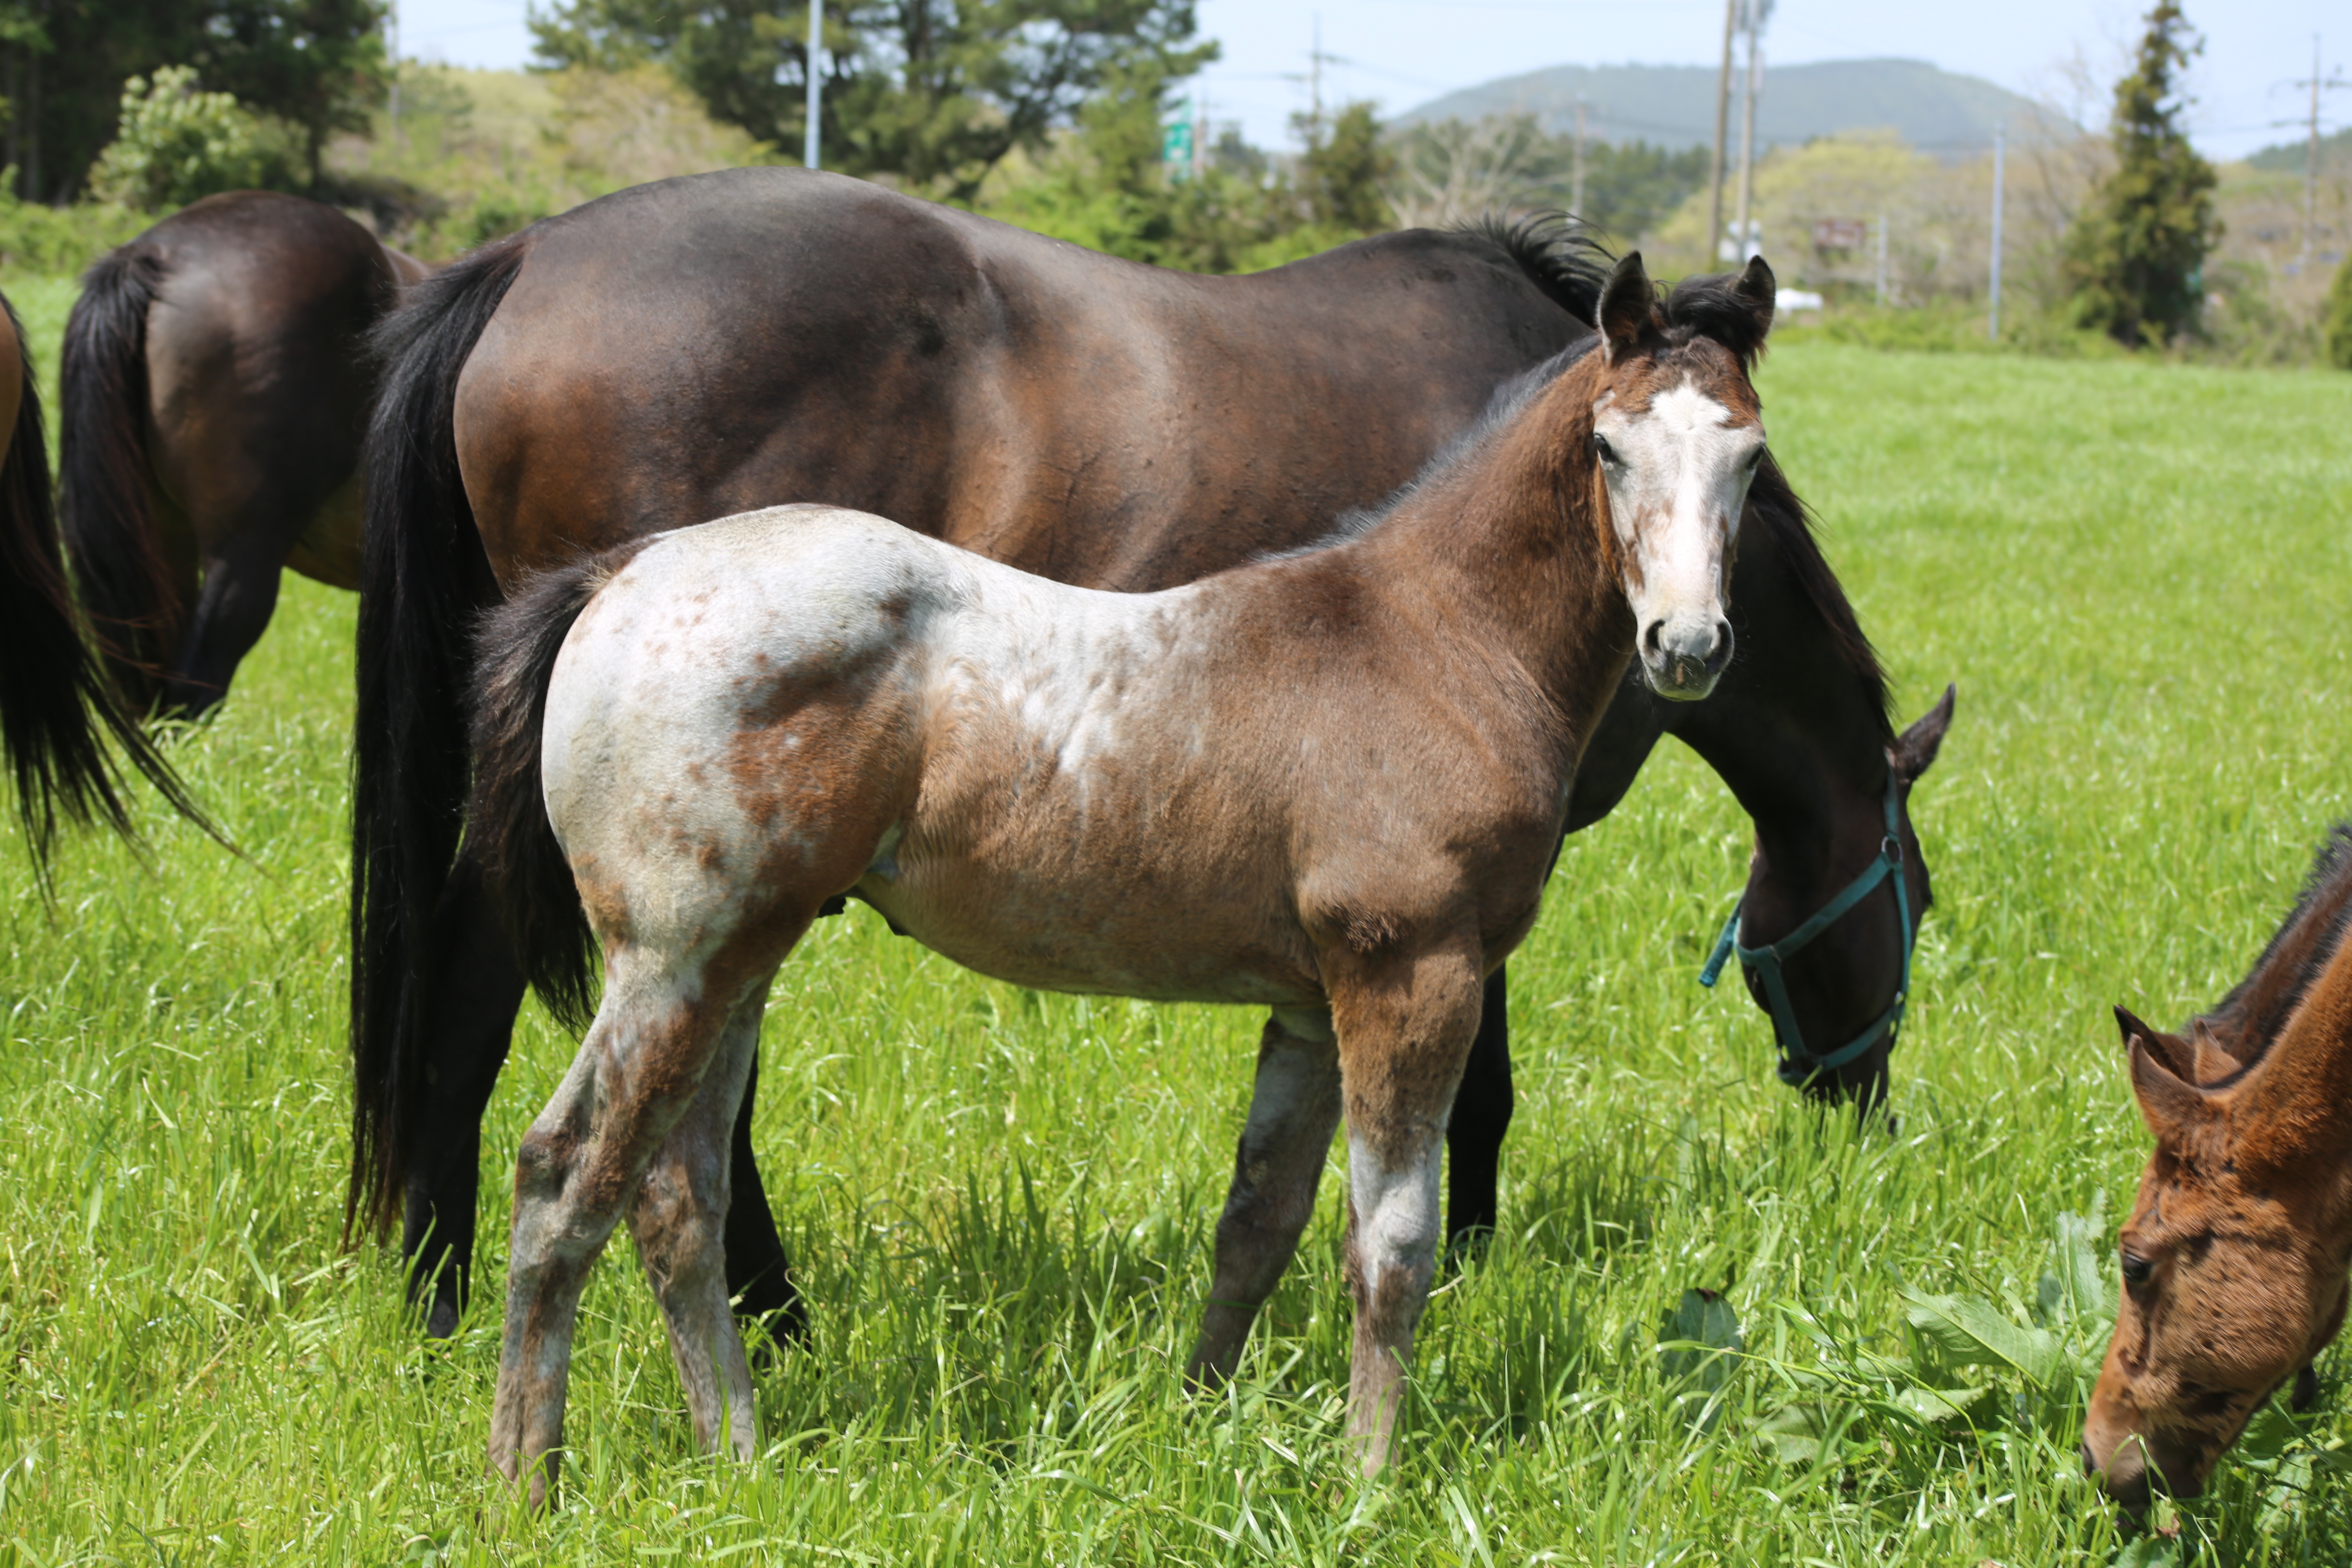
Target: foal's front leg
[(1293, 1110), (1405, 1020)]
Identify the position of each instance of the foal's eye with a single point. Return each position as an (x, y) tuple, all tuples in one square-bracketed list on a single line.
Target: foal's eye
[(2137, 1271), (1602, 449)]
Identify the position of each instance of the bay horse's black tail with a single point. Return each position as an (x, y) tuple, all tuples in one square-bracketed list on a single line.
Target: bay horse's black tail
[(424, 578), (110, 525), (506, 824), (57, 706)]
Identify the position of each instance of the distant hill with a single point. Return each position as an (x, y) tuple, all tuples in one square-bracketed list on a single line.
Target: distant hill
[(1933, 110), (2287, 157)]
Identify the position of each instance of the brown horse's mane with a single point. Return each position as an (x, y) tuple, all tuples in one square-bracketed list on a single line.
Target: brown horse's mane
[(2251, 1017), (1774, 501), (1558, 253)]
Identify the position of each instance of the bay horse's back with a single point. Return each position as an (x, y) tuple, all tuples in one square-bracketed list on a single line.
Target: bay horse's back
[(214, 399), (769, 335)]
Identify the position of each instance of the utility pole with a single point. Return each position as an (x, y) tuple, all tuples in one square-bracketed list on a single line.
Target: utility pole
[(1200, 134), (2319, 83), (1722, 125), (1576, 197), (392, 24), (811, 148), (1748, 246), (1881, 260), (1992, 327)]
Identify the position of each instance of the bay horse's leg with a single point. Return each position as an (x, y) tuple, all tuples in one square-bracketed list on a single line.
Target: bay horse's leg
[(679, 1219), (1293, 1111), (759, 1275), (476, 990), (1405, 1023), (1482, 1114), (649, 1059)]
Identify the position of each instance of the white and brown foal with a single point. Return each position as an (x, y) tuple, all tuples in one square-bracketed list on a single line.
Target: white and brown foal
[(1328, 784)]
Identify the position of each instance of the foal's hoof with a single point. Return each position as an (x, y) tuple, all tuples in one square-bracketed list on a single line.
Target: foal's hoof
[(441, 1322)]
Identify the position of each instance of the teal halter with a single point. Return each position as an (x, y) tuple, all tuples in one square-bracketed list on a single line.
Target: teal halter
[(1799, 1066)]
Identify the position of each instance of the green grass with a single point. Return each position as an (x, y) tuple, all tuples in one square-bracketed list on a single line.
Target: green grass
[(1001, 1201)]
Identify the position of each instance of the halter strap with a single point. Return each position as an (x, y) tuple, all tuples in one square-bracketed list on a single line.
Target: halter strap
[(1798, 1065)]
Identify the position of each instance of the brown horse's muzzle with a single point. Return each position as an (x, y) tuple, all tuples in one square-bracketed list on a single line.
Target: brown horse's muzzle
[(2122, 1454)]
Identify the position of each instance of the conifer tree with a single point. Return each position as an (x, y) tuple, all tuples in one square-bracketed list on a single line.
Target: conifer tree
[(2136, 254)]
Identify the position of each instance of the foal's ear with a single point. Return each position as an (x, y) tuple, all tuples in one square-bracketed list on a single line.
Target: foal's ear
[(2168, 1105), (2213, 1062), (1629, 308), (1914, 752), (2172, 1053)]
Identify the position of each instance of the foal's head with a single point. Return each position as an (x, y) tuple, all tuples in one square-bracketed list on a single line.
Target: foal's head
[(1678, 435), (2234, 1258)]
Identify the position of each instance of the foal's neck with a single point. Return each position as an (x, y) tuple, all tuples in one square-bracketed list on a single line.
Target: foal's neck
[(1509, 546)]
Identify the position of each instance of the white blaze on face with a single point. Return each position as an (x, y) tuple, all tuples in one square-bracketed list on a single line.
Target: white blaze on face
[(1677, 473)]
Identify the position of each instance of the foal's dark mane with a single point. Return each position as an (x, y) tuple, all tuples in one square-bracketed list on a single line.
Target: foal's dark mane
[(2251, 1017)]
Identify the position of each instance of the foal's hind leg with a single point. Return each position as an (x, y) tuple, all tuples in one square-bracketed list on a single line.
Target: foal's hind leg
[(659, 1035), (678, 1219), (1293, 1110)]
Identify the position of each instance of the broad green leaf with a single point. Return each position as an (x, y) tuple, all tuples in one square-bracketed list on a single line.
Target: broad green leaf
[(1695, 1337), (1971, 1331), (1936, 1406)]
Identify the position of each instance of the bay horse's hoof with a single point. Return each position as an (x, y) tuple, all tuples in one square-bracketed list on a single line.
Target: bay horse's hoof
[(2307, 1391)]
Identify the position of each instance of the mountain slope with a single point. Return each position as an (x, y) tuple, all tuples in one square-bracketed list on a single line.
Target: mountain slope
[(1935, 110)]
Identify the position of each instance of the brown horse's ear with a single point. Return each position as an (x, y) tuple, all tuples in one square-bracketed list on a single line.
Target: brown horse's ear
[(2169, 1106), (1757, 289), (2214, 1061), (1629, 308), (2172, 1053), (1914, 752)]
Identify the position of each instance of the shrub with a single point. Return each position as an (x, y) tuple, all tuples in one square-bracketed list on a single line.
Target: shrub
[(176, 145), (2339, 327)]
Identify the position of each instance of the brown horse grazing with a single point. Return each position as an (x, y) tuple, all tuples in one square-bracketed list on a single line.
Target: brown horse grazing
[(2235, 1259), (215, 393), (57, 709), (1329, 785), (775, 335)]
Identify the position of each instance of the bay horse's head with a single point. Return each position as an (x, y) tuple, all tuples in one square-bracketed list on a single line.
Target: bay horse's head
[(2234, 1258), (1678, 435)]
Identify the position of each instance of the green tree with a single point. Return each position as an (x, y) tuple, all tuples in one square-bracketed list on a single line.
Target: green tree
[(2135, 257), (1345, 170), (2338, 325), (319, 64), (935, 91), (176, 145)]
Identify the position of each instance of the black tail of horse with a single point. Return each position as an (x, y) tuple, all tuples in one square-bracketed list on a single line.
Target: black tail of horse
[(506, 824), (423, 580), (110, 525), (57, 707)]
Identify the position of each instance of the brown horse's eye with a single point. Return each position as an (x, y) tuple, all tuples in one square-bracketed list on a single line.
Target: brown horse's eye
[(2137, 1271)]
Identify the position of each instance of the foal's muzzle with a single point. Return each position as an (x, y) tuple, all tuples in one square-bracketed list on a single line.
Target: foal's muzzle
[(1684, 657)]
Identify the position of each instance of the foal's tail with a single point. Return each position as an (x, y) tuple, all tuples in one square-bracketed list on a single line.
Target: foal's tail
[(57, 706), (422, 579), (507, 827), (111, 534)]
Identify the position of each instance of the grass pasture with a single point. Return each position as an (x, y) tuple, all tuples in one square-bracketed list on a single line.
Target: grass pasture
[(2141, 579)]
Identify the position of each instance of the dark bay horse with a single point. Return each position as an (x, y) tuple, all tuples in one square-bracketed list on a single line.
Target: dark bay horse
[(1329, 785), (215, 393), (57, 708), (718, 343), (2237, 1258)]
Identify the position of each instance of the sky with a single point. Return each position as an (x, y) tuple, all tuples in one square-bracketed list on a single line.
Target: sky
[(1402, 53)]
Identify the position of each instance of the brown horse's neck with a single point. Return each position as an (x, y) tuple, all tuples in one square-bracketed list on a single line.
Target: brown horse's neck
[(2294, 1111), (1510, 546)]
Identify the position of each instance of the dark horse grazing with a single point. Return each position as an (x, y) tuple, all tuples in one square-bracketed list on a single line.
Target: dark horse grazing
[(215, 393), (1329, 785), (772, 335), (2236, 1256), (57, 709)]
